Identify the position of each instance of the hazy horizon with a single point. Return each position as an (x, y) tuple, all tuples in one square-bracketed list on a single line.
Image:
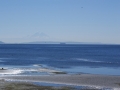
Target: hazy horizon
[(60, 21), (58, 42)]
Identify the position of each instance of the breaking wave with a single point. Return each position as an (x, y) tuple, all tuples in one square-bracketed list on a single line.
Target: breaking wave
[(27, 71)]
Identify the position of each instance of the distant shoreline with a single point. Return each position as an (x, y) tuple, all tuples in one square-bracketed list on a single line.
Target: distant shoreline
[(52, 44), (57, 42)]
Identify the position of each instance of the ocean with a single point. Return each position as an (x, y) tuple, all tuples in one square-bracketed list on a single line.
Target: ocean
[(46, 59)]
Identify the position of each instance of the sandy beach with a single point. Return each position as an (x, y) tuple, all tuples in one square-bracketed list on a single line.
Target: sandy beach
[(79, 80)]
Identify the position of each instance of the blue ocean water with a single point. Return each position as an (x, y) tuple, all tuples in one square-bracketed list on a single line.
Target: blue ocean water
[(45, 58)]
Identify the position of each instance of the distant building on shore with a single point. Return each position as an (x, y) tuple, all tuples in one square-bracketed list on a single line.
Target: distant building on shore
[(62, 43)]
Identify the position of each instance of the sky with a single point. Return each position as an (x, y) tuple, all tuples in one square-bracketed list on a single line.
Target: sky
[(60, 20)]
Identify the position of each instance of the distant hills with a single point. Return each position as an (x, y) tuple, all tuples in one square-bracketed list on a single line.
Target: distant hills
[(1, 42), (52, 42), (42, 42)]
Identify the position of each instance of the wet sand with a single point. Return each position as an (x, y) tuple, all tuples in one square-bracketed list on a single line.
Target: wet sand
[(80, 80)]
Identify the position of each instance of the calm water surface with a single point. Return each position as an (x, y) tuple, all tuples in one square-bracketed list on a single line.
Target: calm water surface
[(31, 59)]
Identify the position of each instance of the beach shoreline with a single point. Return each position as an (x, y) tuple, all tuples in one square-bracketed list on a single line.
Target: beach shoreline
[(91, 80)]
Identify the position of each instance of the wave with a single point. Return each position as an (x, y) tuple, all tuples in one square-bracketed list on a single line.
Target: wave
[(26, 71), (4, 58), (2, 61), (10, 72), (37, 65), (94, 61), (87, 60)]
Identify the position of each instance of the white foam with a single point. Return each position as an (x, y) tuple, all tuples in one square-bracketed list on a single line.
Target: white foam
[(86, 60), (35, 69), (37, 65), (10, 72), (94, 61), (15, 71)]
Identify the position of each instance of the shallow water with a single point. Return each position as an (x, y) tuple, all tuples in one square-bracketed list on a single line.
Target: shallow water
[(77, 87)]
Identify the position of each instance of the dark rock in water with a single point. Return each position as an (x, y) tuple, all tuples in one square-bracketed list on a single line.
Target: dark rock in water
[(59, 72), (3, 69)]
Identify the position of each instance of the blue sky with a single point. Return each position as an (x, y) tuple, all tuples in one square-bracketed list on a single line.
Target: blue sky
[(60, 20)]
